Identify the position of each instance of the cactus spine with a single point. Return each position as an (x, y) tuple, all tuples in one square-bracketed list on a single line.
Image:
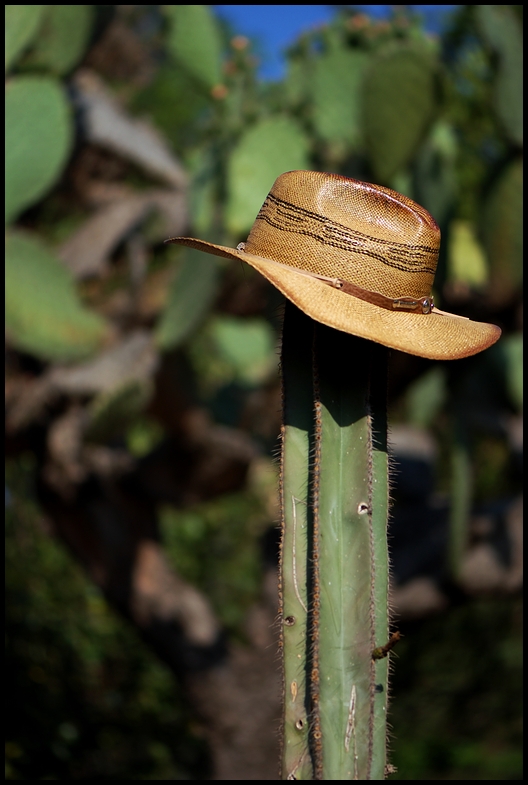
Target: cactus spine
[(334, 564)]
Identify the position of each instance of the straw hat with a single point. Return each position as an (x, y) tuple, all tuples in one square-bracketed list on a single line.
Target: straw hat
[(357, 257)]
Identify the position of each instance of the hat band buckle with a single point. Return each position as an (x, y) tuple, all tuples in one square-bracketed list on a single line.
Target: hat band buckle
[(422, 305)]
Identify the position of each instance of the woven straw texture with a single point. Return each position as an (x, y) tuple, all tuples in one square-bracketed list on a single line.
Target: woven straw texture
[(364, 234)]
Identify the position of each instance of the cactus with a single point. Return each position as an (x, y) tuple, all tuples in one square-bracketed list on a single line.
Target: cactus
[(272, 146), (399, 103), (43, 313), (195, 42), (336, 87), (246, 345), (62, 39), (38, 140), (502, 30), (296, 86), (297, 443), (191, 295), (21, 25), (502, 231), (434, 175), (334, 563), (467, 262)]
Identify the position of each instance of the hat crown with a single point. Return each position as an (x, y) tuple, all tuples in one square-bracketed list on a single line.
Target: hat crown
[(357, 257), (343, 228)]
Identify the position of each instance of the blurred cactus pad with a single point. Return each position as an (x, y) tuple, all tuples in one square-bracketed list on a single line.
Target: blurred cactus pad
[(38, 139), (43, 313)]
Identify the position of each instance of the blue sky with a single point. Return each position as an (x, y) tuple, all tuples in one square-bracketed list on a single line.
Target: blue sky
[(274, 27)]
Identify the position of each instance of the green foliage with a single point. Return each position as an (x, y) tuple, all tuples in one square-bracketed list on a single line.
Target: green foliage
[(203, 193), (173, 103), (467, 262), (44, 315), (400, 100), (271, 147), (247, 345), (296, 87), (435, 171), (215, 546), (194, 40), (452, 671), (233, 351), (143, 435), (38, 140), (513, 348), (461, 492), (502, 230), (508, 357), (336, 96), (425, 398), (86, 697), (192, 293), (111, 412), (21, 25), (62, 38), (502, 30)]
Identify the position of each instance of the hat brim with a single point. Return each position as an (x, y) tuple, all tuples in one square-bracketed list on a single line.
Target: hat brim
[(436, 336)]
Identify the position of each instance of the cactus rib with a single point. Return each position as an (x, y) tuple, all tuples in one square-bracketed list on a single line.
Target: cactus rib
[(334, 459)]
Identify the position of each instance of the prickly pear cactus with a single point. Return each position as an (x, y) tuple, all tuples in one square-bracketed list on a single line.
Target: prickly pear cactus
[(44, 315), (62, 39), (195, 42), (400, 95), (501, 28), (336, 88), (268, 148), (38, 140), (334, 564)]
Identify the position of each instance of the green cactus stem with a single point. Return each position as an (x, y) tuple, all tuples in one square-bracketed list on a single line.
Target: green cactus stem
[(334, 563)]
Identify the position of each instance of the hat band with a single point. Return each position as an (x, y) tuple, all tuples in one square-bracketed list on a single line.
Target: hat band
[(423, 305), (411, 304)]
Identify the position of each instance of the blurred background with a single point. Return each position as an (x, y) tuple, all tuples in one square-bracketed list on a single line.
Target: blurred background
[(143, 392)]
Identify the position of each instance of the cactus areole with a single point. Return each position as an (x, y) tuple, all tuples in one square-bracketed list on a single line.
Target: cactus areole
[(356, 263)]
